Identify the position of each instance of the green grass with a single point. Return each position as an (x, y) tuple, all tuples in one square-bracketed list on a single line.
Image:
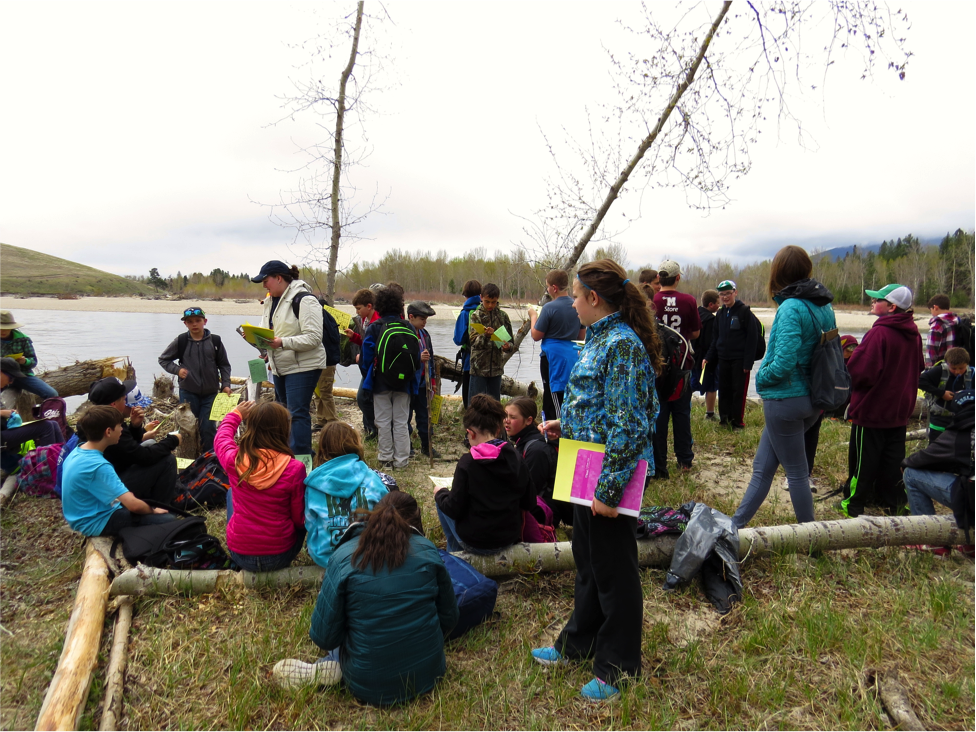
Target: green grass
[(26, 272), (797, 653)]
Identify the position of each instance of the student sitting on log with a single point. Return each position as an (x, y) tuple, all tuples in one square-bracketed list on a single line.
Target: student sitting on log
[(339, 489), (385, 606), (482, 512), (266, 500), (148, 470), (12, 437), (18, 346), (94, 500)]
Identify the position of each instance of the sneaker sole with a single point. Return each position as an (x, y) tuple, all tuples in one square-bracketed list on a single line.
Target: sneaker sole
[(292, 674)]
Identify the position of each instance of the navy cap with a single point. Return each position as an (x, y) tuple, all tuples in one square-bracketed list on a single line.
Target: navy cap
[(274, 267), (109, 390)]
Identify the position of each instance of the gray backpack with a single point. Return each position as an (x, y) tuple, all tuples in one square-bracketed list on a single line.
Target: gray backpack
[(830, 384)]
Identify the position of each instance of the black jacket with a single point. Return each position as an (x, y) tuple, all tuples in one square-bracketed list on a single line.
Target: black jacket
[(488, 496), (130, 451), (704, 340), (736, 337), (950, 452), (540, 458)]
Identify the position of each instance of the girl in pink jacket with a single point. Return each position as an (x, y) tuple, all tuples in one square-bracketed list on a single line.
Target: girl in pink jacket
[(266, 520)]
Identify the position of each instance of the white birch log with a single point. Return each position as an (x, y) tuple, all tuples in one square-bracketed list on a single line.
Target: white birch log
[(895, 700), (115, 677), (8, 490), (65, 698), (866, 531)]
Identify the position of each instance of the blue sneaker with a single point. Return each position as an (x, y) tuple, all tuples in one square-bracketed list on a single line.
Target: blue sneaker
[(598, 690), (548, 656)]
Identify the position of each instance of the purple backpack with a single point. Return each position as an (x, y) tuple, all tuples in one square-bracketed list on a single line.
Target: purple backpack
[(38, 471)]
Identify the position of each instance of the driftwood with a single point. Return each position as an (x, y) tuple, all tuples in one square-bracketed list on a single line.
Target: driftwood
[(75, 380), (510, 387), (8, 490), (65, 698), (866, 531), (112, 706)]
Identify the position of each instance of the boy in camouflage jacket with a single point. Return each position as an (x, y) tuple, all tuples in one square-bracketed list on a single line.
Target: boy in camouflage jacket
[(487, 360)]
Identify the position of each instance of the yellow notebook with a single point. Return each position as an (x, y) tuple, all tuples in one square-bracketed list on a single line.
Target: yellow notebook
[(250, 331)]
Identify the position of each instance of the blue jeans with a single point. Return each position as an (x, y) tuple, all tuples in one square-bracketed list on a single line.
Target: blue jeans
[(454, 543), (782, 443), (295, 392), (268, 562), (35, 386), (201, 405), (678, 411), (924, 486), (491, 385)]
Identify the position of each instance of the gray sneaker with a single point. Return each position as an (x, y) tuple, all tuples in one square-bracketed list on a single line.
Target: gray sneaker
[(290, 673)]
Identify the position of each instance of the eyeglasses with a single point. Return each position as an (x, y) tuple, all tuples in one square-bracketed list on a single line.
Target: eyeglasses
[(193, 313)]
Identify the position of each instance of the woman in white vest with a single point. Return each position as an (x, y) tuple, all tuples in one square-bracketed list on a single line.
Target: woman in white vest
[(296, 355)]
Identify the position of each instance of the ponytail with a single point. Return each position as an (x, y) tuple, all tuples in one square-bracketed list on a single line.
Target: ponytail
[(609, 280), (386, 539)]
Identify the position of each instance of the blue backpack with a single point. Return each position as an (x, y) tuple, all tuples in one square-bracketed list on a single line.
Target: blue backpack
[(476, 594)]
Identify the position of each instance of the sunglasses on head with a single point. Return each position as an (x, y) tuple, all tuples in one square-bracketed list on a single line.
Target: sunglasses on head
[(193, 313)]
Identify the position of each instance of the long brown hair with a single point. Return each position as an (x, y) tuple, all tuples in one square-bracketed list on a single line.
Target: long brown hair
[(607, 279), (268, 428), (791, 264), (337, 439), (386, 538)]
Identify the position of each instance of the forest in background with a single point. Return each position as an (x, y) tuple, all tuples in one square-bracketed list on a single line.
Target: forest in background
[(926, 269)]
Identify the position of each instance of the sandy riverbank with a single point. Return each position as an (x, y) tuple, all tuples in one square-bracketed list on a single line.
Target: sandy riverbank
[(851, 321)]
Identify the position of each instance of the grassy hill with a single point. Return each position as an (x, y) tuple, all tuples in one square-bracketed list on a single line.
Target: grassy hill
[(25, 272)]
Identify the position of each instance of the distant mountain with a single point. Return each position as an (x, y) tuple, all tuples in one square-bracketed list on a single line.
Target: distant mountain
[(841, 252), (26, 272)]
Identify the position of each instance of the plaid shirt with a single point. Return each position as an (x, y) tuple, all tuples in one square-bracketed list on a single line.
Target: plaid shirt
[(20, 343), (942, 337)]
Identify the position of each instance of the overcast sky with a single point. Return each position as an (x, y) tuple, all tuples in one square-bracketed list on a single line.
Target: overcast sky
[(139, 134)]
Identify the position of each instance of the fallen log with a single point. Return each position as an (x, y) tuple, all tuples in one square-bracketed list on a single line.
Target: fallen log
[(65, 698), (866, 531), (74, 380), (115, 676), (8, 490), (894, 698), (510, 387)]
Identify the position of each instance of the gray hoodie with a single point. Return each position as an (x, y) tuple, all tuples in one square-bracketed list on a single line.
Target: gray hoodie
[(209, 367)]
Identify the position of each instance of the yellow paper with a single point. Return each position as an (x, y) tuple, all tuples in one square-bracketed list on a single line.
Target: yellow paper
[(343, 320), (435, 408), (222, 404), (477, 327), (183, 463), (254, 330), (15, 356), (441, 482)]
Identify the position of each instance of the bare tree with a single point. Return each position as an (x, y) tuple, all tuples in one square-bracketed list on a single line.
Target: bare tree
[(326, 200), (703, 93)]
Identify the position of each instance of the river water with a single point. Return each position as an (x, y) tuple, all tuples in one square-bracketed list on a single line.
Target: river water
[(62, 337)]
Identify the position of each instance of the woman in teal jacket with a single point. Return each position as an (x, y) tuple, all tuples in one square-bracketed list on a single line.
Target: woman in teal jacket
[(783, 382), (386, 605)]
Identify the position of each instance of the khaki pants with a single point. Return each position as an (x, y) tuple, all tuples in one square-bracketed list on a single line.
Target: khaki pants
[(325, 410)]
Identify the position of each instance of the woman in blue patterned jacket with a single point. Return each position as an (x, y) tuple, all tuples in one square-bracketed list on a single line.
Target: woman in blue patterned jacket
[(610, 399)]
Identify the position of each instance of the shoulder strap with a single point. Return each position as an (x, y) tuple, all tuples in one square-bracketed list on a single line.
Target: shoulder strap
[(182, 341), (296, 301), (823, 333)]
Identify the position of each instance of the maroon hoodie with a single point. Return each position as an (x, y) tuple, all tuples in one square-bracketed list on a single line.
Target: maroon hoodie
[(884, 373)]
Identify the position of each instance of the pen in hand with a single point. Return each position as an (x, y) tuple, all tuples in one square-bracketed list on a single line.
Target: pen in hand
[(544, 434)]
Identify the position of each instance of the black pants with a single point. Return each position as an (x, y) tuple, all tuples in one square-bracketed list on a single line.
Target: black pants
[(874, 459), (607, 616), (124, 518), (811, 439), (418, 408), (156, 482), (678, 412), (465, 387), (733, 385), (552, 401)]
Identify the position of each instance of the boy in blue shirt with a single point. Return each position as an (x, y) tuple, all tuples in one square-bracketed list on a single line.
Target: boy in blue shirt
[(557, 326), (94, 501)]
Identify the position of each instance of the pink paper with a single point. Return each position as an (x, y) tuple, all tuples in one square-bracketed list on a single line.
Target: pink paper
[(587, 475)]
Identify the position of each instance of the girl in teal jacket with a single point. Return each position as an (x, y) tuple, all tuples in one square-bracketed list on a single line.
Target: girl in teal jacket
[(783, 382)]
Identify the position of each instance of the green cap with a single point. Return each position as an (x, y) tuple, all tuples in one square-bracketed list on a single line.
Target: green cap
[(898, 295), (725, 285)]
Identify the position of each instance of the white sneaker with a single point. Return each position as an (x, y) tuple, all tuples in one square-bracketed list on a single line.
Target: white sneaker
[(290, 673)]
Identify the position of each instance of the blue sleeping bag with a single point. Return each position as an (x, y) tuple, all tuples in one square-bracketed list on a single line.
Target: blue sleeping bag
[(476, 594)]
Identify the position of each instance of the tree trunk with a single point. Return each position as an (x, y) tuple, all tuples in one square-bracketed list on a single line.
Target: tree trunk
[(866, 531), (510, 386), (115, 676), (337, 160), (65, 698), (75, 380)]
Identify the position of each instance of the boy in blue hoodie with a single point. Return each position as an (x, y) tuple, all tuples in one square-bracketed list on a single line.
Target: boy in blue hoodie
[(471, 291), (340, 491)]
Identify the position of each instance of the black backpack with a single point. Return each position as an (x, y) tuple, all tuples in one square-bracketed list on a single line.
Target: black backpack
[(678, 357), (760, 338), (830, 384), (965, 337), (183, 342), (180, 544), (330, 329), (204, 484), (397, 354)]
